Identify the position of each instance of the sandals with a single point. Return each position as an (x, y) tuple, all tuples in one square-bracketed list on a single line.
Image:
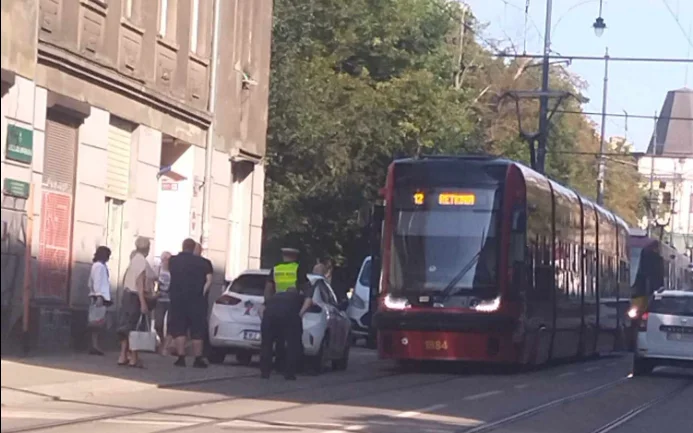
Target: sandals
[(138, 364)]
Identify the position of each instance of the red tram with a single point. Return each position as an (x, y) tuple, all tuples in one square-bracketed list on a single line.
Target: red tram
[(484, 259)]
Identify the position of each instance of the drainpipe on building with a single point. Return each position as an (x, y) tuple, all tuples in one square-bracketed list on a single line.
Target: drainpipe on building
[(26, 287), (209, 145)]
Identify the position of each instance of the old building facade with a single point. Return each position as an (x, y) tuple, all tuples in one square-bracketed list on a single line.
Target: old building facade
[(667, 173), (106, 128)]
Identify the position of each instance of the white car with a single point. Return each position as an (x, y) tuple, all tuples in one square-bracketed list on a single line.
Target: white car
[(358, 310), (234, 323), (665, 332)]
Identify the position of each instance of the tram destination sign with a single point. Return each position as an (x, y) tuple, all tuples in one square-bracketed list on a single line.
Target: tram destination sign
[(456, 199)]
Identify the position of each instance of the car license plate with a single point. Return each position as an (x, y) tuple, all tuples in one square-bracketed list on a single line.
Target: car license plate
[(251, 335), (675, 336)]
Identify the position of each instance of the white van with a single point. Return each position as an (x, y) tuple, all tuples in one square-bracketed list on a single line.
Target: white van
[(358, 310)]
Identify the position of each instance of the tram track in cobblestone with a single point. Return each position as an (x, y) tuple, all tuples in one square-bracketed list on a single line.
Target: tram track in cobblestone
[(178, 406), (606, 428)]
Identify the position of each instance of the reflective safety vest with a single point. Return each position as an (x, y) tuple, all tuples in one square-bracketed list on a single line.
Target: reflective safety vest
[(285, 276)]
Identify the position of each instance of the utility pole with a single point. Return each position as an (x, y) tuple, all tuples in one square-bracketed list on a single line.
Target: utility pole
[(544, 99), (602, 144), (626, 125), (209, 144), (460, 52), (650, 198)]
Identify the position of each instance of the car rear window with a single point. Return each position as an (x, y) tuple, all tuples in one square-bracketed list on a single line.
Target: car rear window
[(674, 305), (252, 285)]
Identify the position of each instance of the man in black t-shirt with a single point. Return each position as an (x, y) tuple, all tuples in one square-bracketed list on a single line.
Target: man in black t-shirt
[(282, 323), (191, 278)]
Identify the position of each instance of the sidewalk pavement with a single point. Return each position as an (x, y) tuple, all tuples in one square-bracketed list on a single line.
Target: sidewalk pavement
[(80, 376)]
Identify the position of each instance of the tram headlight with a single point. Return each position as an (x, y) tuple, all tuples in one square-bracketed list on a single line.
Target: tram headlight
[(488, 306), (394, 303)]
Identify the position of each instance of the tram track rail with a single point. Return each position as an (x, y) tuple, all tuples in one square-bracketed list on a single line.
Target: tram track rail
[(605, 428), (633, 413), (252, 417)]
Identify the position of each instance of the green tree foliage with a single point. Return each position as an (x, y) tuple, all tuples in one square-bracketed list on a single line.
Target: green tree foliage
[(356, 83)]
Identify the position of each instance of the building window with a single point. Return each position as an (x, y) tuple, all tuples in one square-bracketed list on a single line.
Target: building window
[(127, 9), (131, 10), (666, 198), (194, 25), (167, 18)]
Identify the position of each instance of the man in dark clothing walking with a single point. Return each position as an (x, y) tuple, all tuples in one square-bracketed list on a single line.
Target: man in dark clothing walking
[(288, 296), (191, 278)]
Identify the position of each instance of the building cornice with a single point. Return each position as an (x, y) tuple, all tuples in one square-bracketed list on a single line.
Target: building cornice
[(64, 59)]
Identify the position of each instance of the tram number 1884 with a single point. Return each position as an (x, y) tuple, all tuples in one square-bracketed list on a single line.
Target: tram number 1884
[(436, 345)]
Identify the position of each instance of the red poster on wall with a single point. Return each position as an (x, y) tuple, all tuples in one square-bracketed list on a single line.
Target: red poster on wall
[(54, 247)]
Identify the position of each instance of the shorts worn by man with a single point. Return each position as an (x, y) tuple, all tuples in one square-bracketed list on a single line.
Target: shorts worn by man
[(191, 278)]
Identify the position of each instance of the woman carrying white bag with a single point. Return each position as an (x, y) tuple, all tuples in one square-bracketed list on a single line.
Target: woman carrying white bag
[(99, 296), (137, 302)]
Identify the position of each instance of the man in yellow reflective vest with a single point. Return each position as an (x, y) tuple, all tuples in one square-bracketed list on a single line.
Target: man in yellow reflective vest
[(287, 298)]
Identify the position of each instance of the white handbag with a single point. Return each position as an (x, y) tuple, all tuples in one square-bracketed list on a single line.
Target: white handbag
[(142, 341), (97, 316)]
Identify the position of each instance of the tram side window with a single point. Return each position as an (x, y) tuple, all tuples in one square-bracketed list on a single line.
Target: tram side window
[(624, 277), (530, 266), (543, 273), (518, 245), (610, 280), (590, 262)]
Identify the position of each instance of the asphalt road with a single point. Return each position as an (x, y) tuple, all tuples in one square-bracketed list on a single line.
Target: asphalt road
[(376, 397)]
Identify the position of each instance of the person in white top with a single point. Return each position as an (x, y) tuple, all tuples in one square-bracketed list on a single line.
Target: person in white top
[(99, 291)]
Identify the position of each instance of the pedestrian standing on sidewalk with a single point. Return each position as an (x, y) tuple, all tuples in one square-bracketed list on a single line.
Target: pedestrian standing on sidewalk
[(191, 278), (138, 299), (206, 345), (99, 294), (163, 303)]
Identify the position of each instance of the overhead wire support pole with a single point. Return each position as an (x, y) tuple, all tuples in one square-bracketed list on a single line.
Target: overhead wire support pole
[(544, 99), (209, 143), (650, 199), (602, 143)]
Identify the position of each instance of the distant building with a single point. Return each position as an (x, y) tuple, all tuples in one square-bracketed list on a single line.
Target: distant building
[(667, 171), (105, 112)]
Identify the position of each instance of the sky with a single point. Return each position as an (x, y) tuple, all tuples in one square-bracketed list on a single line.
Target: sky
[(635, 28)]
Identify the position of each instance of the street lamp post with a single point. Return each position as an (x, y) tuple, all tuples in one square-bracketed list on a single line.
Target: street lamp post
[(599, 24), (602, 144)]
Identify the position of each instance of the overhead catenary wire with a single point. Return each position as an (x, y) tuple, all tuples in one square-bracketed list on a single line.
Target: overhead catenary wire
[(598, 58), (675, 16), (628, 116)]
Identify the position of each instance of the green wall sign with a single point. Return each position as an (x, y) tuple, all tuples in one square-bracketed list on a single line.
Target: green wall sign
[(15, 188), (20, 144)]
